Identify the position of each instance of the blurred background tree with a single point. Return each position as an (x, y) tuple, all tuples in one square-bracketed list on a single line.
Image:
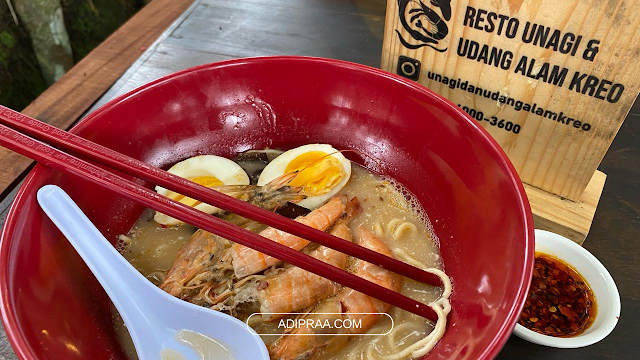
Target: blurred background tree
[(41, 39), (89, 22), (44, 22)]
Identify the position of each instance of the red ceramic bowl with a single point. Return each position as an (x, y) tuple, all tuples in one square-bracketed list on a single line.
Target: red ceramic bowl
[(52, 306)]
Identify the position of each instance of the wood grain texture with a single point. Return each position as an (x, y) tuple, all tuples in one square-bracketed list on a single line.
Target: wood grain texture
[(547, 154), (164, 60), (571, 219), (331, 29), (66, 100), (614, 233), (613, 239)]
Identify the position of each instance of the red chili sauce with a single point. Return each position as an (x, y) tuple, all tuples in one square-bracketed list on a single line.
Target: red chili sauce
[(560, 302)]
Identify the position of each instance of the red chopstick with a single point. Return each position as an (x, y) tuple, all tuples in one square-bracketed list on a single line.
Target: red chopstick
[(59, 160), (128, 165)]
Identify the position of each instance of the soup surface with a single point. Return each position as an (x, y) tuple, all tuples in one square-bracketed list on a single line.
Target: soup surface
[(387, 211)]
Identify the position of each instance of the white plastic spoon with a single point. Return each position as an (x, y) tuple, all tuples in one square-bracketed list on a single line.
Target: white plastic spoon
[(154, 318)]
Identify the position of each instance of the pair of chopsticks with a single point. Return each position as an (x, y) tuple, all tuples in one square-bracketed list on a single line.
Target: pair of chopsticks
[(36, 140)]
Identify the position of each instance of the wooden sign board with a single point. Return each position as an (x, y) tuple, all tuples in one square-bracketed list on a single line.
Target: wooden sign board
[(551, 80)]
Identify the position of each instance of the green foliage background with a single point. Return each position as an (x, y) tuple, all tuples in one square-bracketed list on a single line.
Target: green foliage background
[(88, 23), (20, 78)]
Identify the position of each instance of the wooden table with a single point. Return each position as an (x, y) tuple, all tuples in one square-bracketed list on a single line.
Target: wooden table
[(214, 30)]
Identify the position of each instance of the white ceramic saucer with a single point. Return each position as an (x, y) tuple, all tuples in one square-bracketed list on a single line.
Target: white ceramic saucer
[(598, 278)]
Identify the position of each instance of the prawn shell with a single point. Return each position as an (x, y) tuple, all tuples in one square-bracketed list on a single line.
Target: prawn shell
[(247, 261)]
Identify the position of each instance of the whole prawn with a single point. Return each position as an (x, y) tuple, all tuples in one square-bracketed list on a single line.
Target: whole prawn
[(347, 304), (295, 288), (204, 259), (196, 264), (247, 261)]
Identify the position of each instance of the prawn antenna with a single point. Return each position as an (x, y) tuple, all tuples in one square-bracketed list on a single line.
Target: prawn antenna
[(361, 153)]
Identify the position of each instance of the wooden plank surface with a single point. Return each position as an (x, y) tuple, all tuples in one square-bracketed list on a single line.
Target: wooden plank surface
[(304, 27), (220, 30), (571, 219), (613, 239), (614, 233), (164, 60), (65, 101), (549, 151)]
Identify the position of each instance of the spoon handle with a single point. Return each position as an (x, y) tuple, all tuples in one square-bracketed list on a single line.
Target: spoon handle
[(122, 282)]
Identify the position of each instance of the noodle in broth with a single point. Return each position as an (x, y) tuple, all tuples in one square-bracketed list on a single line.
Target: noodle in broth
[(387, 213)]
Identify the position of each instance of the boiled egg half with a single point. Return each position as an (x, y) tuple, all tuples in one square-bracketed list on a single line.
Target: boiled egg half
[(207, 170), (323, 171)]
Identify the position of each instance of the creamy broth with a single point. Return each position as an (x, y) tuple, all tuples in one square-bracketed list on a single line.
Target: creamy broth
[(151, 248), (382, 204), (385, 211)]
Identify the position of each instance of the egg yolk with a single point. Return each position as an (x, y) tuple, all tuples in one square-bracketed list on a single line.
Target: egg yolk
[(319, 173), (208, 181)]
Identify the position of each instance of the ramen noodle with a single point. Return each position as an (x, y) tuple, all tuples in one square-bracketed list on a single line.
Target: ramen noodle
[(385, 211)]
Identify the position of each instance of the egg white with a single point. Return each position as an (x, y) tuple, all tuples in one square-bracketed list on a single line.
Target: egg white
[(223, 169), (278, 166)]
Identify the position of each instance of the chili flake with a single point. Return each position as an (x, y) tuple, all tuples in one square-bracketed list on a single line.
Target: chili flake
[(560, 302)]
